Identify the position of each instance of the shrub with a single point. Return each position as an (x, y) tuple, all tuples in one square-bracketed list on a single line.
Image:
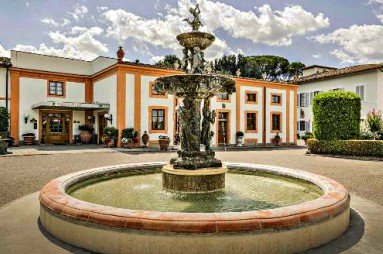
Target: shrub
[(307, 135), (374, 122), (86, 127), (240, 134), (111, 132), (3, 148), (4, 117), (337, 115), (129, 133), (372, 148)]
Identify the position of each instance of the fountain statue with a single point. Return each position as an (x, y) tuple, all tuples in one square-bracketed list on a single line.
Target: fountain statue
[(195, 87)]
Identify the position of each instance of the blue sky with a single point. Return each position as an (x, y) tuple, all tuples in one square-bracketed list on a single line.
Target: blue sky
[(327, 32)]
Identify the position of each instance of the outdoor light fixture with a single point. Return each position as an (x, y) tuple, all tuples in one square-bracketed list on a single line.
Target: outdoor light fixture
[(109, 118), (26, 118)]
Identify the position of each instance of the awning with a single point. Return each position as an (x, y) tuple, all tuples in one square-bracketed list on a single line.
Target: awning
[(71, 105)]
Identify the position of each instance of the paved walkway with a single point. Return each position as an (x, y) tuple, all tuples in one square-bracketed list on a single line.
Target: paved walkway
[(20, 231)]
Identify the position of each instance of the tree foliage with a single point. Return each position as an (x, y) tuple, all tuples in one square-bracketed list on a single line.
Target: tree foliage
[(337, 115), (168, 61), (267, 67)]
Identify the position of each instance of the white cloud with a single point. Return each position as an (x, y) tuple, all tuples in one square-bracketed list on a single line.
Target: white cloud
[(27, 4), (65, 51), (317, 55), (52, 22), (79, 43), (4, 52), (102, 9), (81, 39), (78, 12), (265, 26), (155, 59), (358, 43)]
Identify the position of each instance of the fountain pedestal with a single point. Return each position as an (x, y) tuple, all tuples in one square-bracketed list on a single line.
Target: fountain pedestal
[(193, 181)]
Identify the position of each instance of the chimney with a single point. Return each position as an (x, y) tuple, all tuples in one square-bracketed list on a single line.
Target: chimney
[(120, 54)]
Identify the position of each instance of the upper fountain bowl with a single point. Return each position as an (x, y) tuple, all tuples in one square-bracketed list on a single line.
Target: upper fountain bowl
[(200, 85), (196, 39)]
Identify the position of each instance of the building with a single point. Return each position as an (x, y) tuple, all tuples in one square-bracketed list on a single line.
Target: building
[(51, 96), (365, 80)]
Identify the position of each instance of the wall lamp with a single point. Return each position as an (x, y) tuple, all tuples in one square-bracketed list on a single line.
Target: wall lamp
[(109, 118)]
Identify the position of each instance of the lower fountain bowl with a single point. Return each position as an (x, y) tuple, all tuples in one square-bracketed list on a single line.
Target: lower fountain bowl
[(193, 181), (106, 229)]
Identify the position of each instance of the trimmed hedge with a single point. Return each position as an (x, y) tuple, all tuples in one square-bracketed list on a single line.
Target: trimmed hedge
[(4, 116), (336, 115), (368, 148)]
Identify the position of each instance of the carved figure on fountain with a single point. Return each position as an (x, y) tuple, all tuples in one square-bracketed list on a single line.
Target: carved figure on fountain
[(208, 119), (196, 23)]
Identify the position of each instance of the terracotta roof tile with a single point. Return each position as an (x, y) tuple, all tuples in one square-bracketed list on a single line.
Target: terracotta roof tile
[(340, 72)]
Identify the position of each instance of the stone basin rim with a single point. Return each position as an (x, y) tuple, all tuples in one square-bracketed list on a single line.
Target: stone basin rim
[(333, 202)]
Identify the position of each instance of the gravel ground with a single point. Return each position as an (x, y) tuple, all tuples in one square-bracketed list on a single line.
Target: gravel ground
[(26, 174)]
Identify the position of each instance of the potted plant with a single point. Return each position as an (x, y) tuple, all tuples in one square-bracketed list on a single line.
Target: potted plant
[(112, 135), (86, 133), (240, 136), (129, 137), (29, 138), (277, 139), (127, 143), (136, 138), (164, 142), (308, 135)]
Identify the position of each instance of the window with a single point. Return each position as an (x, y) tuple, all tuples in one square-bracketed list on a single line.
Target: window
[(276, 122), (224, 97), (360, 92), (302, 100), (251, 97), (158, 119), (153, 93), (251, 121), (276, 99), (56, 88)]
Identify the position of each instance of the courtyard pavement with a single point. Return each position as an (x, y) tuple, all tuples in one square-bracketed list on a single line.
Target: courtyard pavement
[(22, 175)]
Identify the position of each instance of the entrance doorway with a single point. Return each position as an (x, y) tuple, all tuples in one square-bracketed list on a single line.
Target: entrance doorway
[(102, 123), (56, 127), (223, 133)]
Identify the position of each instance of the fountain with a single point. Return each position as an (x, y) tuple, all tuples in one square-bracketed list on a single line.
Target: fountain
[(195, 170), (195, 203)]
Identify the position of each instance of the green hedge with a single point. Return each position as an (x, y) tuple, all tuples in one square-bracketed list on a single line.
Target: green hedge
[(336, 115), (4, 116), (368, 148)]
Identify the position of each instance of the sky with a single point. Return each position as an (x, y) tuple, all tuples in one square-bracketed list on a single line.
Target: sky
[(327, 32)]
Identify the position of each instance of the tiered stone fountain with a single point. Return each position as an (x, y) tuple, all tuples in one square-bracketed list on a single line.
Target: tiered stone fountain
[(184, 207), (195, 170)]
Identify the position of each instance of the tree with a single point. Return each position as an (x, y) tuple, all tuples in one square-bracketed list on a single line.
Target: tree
[(168, 62)]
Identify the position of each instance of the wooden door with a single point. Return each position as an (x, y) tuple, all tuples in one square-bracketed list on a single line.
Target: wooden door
[(222, 128), (56, 128)]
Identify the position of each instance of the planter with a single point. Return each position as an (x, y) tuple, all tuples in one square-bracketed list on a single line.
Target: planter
[(85, 137), (239, 140), (277, 141), (111, 143), (128, 145), (305, 140), (164, 144), (145, 138), (29, 140)]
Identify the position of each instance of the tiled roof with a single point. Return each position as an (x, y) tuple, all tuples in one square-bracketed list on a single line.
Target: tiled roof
[(4, 61), (339, 72), (318, 66)]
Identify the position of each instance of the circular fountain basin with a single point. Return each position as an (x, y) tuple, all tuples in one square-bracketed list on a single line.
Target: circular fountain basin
[(196, 39), (264, 209)]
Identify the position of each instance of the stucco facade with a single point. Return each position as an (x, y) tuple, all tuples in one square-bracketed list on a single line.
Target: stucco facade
[(369, 85), (126, 89)]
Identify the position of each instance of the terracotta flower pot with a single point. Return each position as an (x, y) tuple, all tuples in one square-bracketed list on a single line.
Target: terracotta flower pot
[(145, 138), (29, 140), (164, 144), (86, 137)]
